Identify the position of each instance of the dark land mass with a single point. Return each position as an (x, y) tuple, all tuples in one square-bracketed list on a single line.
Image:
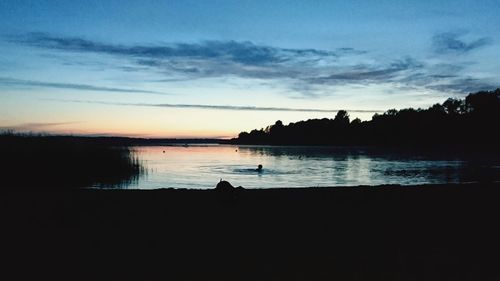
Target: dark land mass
[(44, 162), (432, 232), (467, 123)]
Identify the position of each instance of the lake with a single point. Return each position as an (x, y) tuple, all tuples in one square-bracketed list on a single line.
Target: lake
[(203, 166)]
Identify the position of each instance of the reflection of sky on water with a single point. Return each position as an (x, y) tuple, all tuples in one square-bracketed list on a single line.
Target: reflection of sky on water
[(202, 166)]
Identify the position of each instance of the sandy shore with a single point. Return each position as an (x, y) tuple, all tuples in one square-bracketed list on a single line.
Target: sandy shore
[(434, 232)]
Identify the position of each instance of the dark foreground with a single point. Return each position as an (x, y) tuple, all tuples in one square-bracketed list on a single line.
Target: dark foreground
[(446, 232)]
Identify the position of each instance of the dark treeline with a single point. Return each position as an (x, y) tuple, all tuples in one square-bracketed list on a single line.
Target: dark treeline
[(470, 121), (36, 161)]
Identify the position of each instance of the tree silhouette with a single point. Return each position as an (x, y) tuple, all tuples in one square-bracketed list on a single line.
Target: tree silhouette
[(468, 121), (342, 118)]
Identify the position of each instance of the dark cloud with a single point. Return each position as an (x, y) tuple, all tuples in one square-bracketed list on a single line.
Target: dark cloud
[(309, 72), (447, 77), (240, 52), (216, 107), (203, 59), (363, 73), (451, 42), (81, 87), (464, 85)]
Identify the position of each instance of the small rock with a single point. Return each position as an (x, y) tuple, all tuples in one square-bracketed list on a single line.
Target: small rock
[(226, 186)]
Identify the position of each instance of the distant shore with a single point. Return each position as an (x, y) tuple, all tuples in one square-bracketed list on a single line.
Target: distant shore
[(430, 232)]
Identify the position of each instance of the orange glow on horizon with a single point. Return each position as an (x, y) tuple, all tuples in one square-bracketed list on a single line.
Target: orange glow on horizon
[(186, 134)]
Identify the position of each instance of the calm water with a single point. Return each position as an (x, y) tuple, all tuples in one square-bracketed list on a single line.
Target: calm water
[(202, 166)]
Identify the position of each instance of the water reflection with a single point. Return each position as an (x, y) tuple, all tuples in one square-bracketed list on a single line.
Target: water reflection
[(202, 166)]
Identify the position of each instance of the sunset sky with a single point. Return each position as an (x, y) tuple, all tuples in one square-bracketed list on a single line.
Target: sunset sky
[(215, 68)]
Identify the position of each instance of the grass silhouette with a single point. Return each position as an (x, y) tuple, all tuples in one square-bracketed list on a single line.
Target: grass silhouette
[(40, 161)]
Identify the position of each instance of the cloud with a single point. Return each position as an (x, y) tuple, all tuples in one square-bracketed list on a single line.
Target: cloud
[(26, 127), (245, 53), (365, 73), (311, 73), (451, 42), (80, 87), (204, 59), (217, 107), (464, 85)]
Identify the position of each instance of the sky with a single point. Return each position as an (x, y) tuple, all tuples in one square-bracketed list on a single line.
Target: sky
[(211, 69)]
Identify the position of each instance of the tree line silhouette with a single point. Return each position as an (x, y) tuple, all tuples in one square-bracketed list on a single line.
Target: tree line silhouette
[(470, 121)]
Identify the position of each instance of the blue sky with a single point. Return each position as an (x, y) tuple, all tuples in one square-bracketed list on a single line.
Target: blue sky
[(214, 68)]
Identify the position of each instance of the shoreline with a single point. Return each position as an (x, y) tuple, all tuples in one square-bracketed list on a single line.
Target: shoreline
[(431, 232)]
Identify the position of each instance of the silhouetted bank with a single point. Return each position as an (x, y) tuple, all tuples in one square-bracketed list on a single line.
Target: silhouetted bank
[(433, 232), (30, 161), (470, 121)]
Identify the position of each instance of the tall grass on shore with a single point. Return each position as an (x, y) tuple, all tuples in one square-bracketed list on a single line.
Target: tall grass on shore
[(37, 161)]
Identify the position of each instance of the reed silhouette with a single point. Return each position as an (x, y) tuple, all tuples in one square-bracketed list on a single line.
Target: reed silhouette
[(469, 121), (36, 161)]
